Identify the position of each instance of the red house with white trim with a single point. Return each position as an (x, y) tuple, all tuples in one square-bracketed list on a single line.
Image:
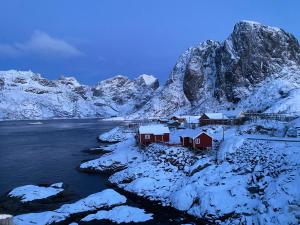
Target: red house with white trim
[(200, 141), (153, 133)]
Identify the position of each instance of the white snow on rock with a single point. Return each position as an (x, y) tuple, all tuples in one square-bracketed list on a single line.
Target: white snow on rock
[(114, 135), (103, 199), (30, 193), (5, 216), (121, 154), (120, 214), (148, 79)]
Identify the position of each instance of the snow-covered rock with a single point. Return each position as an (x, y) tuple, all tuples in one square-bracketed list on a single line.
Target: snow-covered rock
[(30, 193), (100, 200), (120, 214), (120, 155), (114, 135)]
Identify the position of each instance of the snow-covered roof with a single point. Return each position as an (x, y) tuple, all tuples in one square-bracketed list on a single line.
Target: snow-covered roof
[(234, 113), (193, 133), (156, 129), (216, 116)]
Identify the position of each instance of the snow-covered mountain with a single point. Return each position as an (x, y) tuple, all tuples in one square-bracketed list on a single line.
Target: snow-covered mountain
[(256, 68), (26, 95)]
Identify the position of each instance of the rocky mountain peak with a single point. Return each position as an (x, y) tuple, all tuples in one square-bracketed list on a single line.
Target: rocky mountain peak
[(252, 38), (217, 75)]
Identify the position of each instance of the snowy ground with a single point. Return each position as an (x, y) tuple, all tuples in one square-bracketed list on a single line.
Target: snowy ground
[(244, 181), (30, 193)]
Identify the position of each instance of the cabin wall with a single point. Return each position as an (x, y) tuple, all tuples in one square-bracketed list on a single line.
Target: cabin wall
[(185, 141), (153, 138), (205, 141), (166, 137), (204, 122), (143, 140)]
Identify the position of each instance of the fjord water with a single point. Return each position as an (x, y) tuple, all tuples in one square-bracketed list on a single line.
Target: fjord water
[(48, 153), (32, 153)]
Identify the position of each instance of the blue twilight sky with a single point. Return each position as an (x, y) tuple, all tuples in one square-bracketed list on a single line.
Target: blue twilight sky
[(96, 39)]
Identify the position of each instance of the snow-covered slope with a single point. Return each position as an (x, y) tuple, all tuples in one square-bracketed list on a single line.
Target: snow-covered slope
[(26, 95), (256, 68)]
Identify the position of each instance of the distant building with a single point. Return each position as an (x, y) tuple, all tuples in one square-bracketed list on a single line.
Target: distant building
[(163, 120), (214, 119), (199, 141), (153, 133), (188, 121)]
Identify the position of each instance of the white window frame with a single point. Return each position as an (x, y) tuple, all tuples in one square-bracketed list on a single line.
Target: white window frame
[(147, 136), (197, 141)]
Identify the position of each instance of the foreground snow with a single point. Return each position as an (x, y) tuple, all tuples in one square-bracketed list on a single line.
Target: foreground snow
[(30, 193), (120, 214), (245, 181), (103, 199)]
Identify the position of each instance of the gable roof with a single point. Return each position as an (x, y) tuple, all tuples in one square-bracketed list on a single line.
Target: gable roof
[(194, 134), (156, 129), (215, 116)]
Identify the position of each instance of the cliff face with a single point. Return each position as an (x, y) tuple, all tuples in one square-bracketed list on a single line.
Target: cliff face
[(216, 76), (26, 95)]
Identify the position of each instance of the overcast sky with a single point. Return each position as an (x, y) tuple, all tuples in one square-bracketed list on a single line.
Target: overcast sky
[(96, 39)]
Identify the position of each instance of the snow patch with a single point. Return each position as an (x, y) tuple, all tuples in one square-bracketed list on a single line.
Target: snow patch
[(121, 214), (30, 193)]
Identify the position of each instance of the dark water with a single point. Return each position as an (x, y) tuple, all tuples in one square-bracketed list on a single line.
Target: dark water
[(49, 153)]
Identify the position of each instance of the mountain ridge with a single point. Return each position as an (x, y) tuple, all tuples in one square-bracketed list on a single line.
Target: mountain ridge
[(28, 95), (256, 68)]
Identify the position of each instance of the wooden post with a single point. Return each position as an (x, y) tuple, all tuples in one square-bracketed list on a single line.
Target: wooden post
[(6, 219)]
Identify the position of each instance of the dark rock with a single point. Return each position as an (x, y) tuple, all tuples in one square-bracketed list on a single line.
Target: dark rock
[(2, 83), (36, 90), (81, 90), (20, 80)]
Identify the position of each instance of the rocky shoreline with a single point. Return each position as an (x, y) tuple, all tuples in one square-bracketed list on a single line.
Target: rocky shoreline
[(218, 187), (180, 217)]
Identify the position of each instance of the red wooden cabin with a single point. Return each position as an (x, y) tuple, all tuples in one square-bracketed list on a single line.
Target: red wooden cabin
[(200, 141), (153, 133)]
